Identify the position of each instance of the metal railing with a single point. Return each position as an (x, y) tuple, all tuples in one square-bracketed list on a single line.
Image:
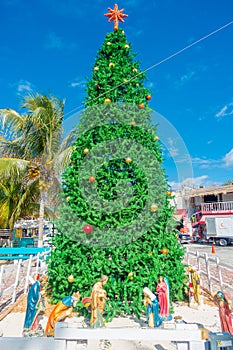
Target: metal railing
[(210, 270), (14, 278), (217, 207)]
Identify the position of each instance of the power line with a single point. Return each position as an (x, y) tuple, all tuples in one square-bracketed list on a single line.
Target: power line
[(158, 63)]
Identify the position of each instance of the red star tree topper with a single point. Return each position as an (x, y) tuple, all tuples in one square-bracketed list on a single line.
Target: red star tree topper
[(115, 15)]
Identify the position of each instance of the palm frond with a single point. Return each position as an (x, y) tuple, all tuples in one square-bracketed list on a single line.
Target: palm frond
[(62, 159), (11, 167), (11, 121)]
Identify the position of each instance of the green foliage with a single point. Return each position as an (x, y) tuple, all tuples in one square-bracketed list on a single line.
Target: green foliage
[(32, 141), (115, 65), (18, 194), (129, 242)]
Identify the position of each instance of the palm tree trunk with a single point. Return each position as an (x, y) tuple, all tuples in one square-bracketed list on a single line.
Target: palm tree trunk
[(41, 220)]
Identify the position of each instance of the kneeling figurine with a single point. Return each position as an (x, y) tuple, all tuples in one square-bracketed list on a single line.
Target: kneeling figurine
[(152, 310)]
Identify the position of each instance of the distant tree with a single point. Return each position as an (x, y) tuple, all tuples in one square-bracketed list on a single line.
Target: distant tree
[(18, 194), (37, 137), (229, 182)]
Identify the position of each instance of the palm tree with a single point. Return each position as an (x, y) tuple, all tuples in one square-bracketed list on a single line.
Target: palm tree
[(18, 194), (37, 137)]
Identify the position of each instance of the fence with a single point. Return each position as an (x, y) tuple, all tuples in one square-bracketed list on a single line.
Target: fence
[(214, 275), (14, 278)]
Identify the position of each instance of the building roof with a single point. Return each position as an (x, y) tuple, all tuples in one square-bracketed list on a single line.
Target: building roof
[(204, 191)]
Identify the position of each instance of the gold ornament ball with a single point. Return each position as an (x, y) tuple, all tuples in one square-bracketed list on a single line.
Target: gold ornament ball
[(156, 138), (128, 160), (86, 151), (92, 179), (70, 279), (141, 105), (131, 275), (111, 65), (135, 70), (137, 84), (154, 207), (133, 123), (108, 43), (126, 46), (150, 253), (168, 193), (123, 32), (107, 100), (96, 68)]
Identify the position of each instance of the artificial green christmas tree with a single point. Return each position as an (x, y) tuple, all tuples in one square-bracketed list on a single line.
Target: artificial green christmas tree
[(116, 218)]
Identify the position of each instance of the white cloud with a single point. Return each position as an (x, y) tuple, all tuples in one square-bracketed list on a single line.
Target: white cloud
[(23, 87), (187, 77), (204, 163), (193, 73), (53, 41), (225, 111), (195, 181), (228, 159), (173, 151), (78, 83), (191, 182)]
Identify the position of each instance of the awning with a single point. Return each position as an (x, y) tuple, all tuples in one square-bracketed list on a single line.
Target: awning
[(202, 221)]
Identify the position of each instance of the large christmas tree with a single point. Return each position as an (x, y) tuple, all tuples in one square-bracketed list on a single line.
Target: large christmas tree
[(116, 218)]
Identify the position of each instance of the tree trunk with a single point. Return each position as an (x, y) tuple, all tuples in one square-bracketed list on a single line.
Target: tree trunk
[(41, 220)]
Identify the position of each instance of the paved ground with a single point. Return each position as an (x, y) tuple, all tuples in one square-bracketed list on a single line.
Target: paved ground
[(225, 254)]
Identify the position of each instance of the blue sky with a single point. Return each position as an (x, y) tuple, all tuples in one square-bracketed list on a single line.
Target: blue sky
[(50, 47)]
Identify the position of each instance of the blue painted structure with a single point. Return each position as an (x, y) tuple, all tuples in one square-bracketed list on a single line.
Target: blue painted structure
[(21, 253)]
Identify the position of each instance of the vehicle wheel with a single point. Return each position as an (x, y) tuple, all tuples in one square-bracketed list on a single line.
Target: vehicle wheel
[(222, 242)]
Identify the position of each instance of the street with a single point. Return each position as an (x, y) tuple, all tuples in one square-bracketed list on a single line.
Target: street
[(225, 254)]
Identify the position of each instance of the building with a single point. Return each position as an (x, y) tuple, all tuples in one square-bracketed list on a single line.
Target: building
[(216, 201)]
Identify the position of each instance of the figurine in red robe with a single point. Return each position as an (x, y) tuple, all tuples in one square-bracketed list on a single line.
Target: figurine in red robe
[(164, 300), (225, 310)]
